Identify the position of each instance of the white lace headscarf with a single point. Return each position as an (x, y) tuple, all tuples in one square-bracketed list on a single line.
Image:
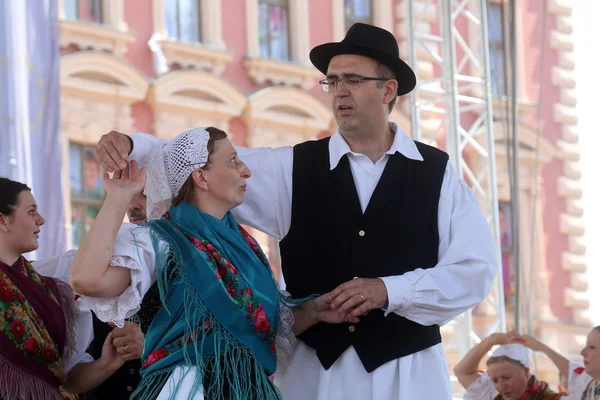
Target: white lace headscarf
[(169, 167)]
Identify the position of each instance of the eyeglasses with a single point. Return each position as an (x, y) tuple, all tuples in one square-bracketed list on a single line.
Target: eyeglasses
[(348, 82)]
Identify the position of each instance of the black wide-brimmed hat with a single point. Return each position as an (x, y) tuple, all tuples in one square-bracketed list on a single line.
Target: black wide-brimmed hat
[(369, 41)]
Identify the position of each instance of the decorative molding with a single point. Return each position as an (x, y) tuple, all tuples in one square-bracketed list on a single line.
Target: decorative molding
[(281, 73), (196, 56), (279, 116), (569, 184), (97, 90), (186, 99), (90, 36)]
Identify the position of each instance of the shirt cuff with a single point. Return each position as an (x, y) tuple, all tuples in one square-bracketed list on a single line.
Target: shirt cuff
[(400, 293), (138, 149)]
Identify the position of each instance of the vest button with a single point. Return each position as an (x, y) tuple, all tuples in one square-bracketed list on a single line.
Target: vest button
[(129, 388), (351, 328), (361, 233), (132, 371)]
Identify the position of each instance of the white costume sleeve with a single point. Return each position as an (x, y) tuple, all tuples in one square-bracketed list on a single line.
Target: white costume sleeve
[(59, 267), (467, 262), (482, 389), (133, 250), (578, 381)]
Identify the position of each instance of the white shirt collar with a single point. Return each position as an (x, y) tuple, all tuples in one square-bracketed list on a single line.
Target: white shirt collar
[(402, 144)]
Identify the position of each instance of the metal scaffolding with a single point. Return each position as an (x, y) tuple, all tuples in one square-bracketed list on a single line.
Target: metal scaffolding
[(452, 100)]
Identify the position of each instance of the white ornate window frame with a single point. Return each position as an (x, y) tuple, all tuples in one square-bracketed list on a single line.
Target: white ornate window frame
[(97, 91), (112, 35), (383, 17), (186, 99), (284, 116), (210, 54), (298, 71)]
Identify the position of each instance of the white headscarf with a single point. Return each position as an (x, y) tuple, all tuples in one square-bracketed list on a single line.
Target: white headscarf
[(169, 167), (514, 351)]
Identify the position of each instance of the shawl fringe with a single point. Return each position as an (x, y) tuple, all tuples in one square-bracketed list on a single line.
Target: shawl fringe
[(18, 384), (70, 312)]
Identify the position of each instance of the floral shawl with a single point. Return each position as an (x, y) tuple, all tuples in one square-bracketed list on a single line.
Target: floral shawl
[(220, 308), (36, 332), (537, 390)]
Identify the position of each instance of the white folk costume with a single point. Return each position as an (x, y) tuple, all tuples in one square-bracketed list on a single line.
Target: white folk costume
[(433, 296), (408, 219)]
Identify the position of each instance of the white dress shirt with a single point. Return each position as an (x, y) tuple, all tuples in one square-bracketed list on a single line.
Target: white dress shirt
[(462, 278)]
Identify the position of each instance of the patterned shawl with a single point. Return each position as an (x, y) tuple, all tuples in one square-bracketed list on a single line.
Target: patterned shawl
[(36, 331), (537, 390), (220, 308)]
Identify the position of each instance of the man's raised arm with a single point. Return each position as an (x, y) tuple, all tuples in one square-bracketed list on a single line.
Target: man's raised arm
[(115, 148)]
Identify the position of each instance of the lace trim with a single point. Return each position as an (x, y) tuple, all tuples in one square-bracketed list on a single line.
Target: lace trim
[(285, 339), (117, 309)]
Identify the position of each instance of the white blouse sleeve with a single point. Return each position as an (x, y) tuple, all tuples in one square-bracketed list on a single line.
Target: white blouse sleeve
[(59, 267), (133, 250), (578, 380), (482, 389)]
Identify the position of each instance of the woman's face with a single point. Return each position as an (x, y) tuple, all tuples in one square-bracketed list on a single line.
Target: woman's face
[(509, 379), (591, 354), (226, 175), (22, 228)]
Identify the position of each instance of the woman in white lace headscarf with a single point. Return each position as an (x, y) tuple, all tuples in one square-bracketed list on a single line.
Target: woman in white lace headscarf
[(507, 376), (223, 324)]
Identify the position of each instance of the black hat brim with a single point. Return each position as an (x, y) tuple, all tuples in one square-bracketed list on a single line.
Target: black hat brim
[(321, 55)]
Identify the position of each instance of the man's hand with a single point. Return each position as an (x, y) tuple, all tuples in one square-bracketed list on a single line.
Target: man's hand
[(112, 150), (128, 341), (358, 296)]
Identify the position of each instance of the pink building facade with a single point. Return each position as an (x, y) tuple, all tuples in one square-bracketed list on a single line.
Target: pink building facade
[(164, 66)]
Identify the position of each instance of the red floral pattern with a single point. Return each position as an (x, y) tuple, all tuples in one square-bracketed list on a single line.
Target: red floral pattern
[(154, 357), (21, 324), (228, 275)]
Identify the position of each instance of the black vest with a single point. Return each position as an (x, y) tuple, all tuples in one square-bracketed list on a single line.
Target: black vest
[(331, 241)]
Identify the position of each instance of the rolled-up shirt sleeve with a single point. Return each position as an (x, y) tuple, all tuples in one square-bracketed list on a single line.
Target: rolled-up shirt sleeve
[(467, 262)]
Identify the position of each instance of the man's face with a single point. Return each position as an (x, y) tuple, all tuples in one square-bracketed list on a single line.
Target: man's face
[(355, 108), (136, 211)]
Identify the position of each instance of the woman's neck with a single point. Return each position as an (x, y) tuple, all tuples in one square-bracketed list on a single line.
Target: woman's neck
[(7, 256), (210, 208)]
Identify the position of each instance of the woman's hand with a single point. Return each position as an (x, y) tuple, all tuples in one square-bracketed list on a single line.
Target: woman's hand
[(125, 183), (110, 358), (320, 309), (501, 338)]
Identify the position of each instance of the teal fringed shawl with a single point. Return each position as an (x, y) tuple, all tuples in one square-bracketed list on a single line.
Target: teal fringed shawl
[(220, 308)]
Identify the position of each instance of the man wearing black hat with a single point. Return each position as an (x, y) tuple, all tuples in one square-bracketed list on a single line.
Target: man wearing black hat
[(380, 221)]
